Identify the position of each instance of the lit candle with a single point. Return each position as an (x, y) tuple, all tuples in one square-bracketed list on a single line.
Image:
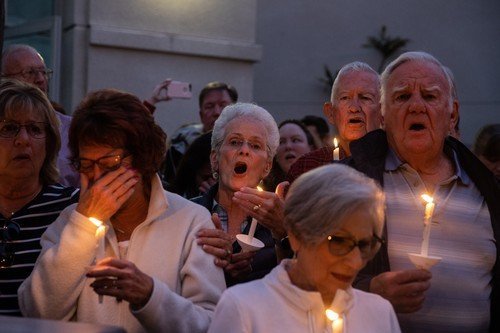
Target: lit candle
[(253, 226), (333, 313), (100, 235), (336, 150), (429, 210)]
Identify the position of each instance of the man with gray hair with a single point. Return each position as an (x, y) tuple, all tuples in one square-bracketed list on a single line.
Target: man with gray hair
[(24, 63), (354, 110), (415, 155)]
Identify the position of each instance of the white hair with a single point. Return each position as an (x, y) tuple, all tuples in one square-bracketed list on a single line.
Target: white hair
[(407, 57), (319, 201), (247, 111), (356, 66), (14, 48)]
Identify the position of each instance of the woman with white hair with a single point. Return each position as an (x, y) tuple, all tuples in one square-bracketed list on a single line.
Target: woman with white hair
[(244, 141), (334, 216)]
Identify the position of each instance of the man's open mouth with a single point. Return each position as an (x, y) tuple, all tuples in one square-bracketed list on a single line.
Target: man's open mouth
[(356, 121), (417, 127), (240, 168)]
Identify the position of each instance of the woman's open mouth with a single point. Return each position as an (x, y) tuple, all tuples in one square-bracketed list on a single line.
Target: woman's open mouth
[(240, 168)]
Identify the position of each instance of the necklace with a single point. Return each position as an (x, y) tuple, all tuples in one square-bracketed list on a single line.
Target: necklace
[(14, 209)]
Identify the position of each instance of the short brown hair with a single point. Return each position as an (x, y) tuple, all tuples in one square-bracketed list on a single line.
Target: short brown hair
[(117, 119), (217, 86), (16, 95)]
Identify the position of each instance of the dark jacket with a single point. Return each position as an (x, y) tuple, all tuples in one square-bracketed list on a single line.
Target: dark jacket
[(368, 156), (263, 261)]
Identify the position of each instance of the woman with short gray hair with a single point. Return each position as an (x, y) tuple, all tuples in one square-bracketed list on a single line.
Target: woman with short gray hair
[(334, 216), (244, 140)]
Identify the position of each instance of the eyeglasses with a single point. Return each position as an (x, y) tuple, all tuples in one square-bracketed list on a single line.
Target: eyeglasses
[(237, 143), (9, 232), (340, 245), (105, 163), (10, 129), (32, 73)]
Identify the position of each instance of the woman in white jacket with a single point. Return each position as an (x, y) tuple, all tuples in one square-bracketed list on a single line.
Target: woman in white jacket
[(333, 216), (146, 273)]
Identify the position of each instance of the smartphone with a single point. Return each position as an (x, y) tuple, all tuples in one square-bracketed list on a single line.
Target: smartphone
[(178, 89)]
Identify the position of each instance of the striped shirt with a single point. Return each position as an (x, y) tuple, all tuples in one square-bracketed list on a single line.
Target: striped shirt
[(34, 218), (461, 234)]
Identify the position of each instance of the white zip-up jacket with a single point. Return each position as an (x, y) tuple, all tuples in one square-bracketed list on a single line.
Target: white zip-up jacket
[(274, 304), (187, 284)]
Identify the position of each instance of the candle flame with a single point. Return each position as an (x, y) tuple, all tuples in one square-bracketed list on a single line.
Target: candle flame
[(96, 221), (335, 143), (331, 315), (427, 198), (259, 189)]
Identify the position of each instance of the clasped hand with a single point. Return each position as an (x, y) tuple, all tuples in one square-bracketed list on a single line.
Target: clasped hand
[(123, 280)]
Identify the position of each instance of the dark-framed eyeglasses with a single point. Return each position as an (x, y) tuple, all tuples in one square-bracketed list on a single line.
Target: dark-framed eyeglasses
[(32, 73), (342, 245), (105, 163), (9, 232), (10, 129)]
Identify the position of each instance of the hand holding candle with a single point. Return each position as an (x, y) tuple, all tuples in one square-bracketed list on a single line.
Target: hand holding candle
[(336, 150)]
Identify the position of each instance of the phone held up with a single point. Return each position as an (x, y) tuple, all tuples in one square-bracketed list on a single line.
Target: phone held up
[(179, 89)]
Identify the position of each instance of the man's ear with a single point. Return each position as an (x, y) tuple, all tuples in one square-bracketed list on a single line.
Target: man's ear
[(455, 115), (328, 111)]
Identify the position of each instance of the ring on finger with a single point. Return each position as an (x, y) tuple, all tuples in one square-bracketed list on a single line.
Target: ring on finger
[(256, 207)]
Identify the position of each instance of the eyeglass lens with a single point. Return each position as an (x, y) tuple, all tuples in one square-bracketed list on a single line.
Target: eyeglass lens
[(107, 163), (340, 246), (10, 129)]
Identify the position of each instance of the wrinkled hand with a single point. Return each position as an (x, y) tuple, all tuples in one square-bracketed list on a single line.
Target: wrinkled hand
[(123, 280), (216, 242), (206, 185), (271, 211), (241, 264), (404, 289), (159, 93), (103, 198)]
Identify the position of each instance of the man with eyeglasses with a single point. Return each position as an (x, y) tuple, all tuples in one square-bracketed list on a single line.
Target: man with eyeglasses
[(24, 63)]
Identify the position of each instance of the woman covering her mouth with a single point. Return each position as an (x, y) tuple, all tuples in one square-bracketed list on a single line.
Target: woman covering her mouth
[(244, 141)]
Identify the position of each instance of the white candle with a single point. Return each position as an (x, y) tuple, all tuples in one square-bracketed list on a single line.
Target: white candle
[(336, 309), (336, 150), (251, 232), (100, 235), (253, 225), (429, 210)]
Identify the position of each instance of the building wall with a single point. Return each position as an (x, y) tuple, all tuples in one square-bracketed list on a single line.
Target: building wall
[(134, 45), (299, 37)]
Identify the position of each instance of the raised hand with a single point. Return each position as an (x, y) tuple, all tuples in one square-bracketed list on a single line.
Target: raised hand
[(104, 197)]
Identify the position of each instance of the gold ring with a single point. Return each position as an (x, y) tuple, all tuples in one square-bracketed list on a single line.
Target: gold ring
[(228, 253), (256, 207)]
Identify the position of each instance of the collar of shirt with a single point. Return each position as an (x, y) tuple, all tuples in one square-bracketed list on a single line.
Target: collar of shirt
[(392, 163), (224, 218)]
